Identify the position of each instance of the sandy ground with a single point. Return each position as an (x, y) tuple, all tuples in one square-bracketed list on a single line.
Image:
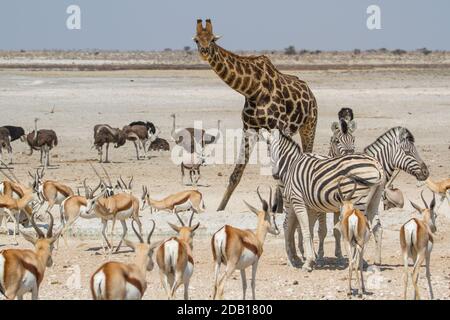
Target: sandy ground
[(416, 98)]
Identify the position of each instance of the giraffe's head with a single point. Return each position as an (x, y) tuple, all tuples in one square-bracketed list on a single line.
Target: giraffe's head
[(204, 38)]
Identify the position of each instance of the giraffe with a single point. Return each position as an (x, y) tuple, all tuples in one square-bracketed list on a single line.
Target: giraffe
[(273, 100)]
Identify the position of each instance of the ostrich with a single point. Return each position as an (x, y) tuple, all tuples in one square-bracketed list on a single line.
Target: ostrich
[(138, 134), (188, 137), (42, 140), (159, 144), (105, 134), (5, 143), (16, 133)]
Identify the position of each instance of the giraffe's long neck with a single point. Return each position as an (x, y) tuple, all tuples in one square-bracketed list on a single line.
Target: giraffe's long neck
[(240, 73)]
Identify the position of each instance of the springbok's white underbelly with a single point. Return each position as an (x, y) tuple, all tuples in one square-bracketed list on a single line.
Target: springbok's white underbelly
[(183, 206), (247, 259), (124, 214), (28, 283), (60, 198), (132, 293)]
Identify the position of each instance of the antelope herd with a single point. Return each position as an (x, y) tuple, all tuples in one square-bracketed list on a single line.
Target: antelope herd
[(235, 248)]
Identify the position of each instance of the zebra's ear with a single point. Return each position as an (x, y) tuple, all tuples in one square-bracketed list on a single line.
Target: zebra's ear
[(335, 127), (352, 126)]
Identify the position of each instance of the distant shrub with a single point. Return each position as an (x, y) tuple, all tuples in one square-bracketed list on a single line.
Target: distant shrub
[(425, 51), (187, 48), (290, 50), (399, 51), (357, 51), (316, 52), (383, 50), (303, 51), (167, 50)]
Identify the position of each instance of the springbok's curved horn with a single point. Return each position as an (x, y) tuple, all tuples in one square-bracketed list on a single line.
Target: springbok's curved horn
[(151, 231), (36, 228), (130, 183), (423, 200), (341, 196), (190, 219), (107, 175), (50, 227), (98, 175), (350, 195), (179, 219), (264, 202), (11, 172), (137, 233)]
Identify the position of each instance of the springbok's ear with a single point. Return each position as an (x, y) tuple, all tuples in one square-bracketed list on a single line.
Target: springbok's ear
[(28, 237), (352, 126), (217, 38), (252, 208), (129, 243), (174, 227), (415, 206), (335, 127), (195, 227), (156, 244)]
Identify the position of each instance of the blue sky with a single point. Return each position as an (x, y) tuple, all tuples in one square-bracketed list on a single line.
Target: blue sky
[(244, 24)]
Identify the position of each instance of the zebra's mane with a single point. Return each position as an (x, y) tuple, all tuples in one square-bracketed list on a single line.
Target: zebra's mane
[(291, 141), (344, 126), (395, 131)]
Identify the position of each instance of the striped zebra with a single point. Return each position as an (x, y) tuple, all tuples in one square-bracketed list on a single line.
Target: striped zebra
[(395, 149), (342, 141), (309, 184)]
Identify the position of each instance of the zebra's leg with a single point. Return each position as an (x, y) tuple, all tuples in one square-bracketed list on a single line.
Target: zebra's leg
[(373, 202), (300, 240), (322, 217), (182, 174), (337, 238), (302, 215), (290, 224)]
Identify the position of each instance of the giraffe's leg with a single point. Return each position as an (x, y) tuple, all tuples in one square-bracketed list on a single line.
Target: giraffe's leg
[(308, 130), (248, 141)]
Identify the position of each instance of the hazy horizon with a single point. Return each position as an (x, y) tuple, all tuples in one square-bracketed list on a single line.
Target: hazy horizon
[(141, 25)]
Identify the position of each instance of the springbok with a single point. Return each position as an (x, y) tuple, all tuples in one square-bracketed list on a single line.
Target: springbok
[(22, 270), (240, 249), (442, 188), (174, 258), (72, 207), (178, 202), (120, 281), (50, 191), (15, 200), (356, 231), (416, 241), (120, 207)]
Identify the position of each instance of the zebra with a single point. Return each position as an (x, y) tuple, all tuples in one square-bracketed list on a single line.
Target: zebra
[(342, 141), (309, 186), (394, 149)]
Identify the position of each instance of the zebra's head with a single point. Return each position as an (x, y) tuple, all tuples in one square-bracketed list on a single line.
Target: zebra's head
[(406, 156), (342, 141)]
